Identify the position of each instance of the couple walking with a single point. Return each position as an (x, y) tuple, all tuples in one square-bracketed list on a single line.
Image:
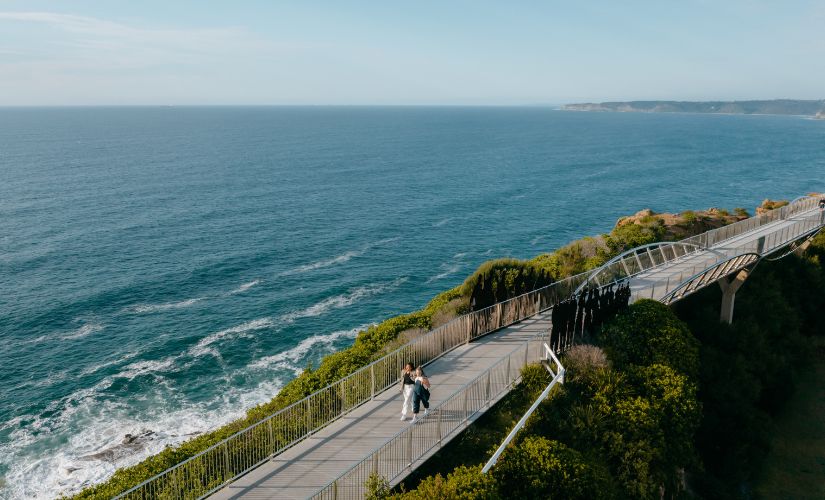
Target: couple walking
[(416, 389)]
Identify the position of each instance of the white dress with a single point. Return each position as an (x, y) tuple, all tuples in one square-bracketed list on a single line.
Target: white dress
[(408, 395)]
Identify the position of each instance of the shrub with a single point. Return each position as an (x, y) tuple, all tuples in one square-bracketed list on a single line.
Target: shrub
[(649, 333), (464, 483), (540, 468), (582, 362), (629, 236), (502, 279), (377, 487), (674, 403), (534, 378)]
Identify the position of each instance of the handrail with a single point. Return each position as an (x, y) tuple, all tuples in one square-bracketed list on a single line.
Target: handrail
[(620, 259), (347, 393), (416, 440), (736, 262), (793, 228), (558, 378), (234, 456), (795, 245)]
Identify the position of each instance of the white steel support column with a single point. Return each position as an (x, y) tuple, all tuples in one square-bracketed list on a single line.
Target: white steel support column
[(729, 287)]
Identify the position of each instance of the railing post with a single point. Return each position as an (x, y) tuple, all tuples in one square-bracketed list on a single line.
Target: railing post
[(487, 389), (343, 398), (226, 461), (272, 437), (308, 418), (440, 437), (526, 353), (372, 379), (409, 446), (466, 406)]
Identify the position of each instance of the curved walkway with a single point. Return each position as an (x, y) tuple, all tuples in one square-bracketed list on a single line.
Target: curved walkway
[(319, 460)]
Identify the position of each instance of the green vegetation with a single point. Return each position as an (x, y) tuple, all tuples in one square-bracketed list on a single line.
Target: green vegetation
[(676, 405), (767, 107), (616, 429), (498, 280), (493, 281), (795, 465)]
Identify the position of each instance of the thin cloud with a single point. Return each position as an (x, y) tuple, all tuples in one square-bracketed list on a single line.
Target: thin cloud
[(95, 38)]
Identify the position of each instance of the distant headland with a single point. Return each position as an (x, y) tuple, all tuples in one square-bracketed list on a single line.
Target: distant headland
[(813, 108)]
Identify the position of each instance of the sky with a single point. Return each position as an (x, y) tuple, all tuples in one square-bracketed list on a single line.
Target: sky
[(453, 52)]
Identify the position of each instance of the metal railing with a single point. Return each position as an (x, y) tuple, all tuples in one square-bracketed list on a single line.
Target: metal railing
[(209, 470), (415, 442), (558, 378), (730, 253), (647, 257)]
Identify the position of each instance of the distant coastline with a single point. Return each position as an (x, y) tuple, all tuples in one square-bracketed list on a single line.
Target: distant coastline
[(811, 108)]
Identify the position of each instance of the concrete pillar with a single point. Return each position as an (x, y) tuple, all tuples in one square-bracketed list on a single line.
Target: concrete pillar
[(729, 287)]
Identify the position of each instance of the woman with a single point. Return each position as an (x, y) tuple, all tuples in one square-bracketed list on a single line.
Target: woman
[(407, 388), (421, 393)]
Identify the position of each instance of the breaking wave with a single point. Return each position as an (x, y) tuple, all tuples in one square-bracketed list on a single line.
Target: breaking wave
[(245, 287), (340, 259), (292, 359), (151, 308), (340, 301), (202, 347)]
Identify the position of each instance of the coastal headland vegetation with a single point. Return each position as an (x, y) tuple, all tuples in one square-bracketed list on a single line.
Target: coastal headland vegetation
[(665, 403), (634, 380), (795, 107)]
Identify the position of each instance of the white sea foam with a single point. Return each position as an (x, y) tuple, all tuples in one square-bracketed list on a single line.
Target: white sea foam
[(340, 301), (443, 222), (244, 287), (345, 257), (292, 359), (243, 330), (340, 259), (83, 331), (94, 424), (448, 270), (78, 333), (148, 366), (151, 308), (95, 430), (95, 368)]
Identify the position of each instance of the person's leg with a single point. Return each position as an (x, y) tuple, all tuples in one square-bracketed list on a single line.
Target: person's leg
[(416, 403), (407, 401)]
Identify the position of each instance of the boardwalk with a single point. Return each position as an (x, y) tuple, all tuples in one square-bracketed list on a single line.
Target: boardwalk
[(327, 444), (657, 282), (304, 469)]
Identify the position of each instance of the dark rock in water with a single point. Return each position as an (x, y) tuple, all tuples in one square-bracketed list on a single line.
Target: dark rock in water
[(128, 446)]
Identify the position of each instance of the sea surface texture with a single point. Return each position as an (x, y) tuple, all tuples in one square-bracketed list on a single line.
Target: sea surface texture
[(164, 269)]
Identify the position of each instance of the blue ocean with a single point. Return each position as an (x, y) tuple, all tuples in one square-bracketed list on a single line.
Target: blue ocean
[(163, 269)]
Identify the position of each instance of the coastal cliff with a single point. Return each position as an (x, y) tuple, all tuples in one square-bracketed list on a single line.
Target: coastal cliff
[(814, 108)]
